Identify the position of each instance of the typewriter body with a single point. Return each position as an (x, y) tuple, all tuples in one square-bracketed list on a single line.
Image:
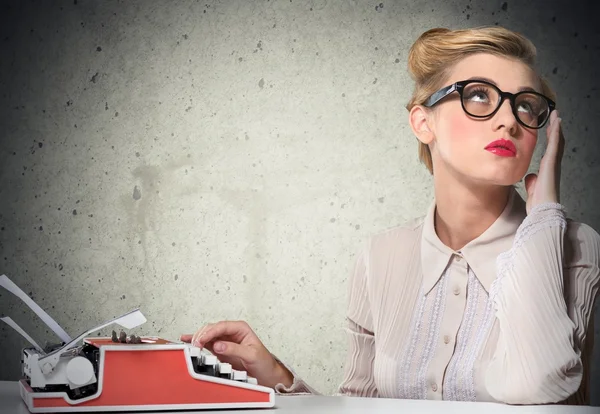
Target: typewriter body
[(127, 373)]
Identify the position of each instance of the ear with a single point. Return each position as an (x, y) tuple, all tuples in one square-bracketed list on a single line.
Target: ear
[(418, 119)]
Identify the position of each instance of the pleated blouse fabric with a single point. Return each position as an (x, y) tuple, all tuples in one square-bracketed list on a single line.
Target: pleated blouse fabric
[(508, 318)]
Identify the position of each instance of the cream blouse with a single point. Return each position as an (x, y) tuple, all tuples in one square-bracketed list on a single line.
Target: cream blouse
[(504, 319)]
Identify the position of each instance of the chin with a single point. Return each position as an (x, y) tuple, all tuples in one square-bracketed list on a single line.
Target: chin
[(496, 177), (485, 172), (502, 180)]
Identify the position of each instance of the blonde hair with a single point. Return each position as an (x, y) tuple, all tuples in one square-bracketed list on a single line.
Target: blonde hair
[(434, 54)]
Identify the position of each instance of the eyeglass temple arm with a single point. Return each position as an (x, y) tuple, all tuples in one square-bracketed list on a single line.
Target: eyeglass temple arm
[(436, 97)]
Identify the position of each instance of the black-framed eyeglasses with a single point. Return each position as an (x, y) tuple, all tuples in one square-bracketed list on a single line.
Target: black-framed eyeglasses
[(481, 99)]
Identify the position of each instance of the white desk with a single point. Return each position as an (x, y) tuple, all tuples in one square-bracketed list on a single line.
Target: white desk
[(11, 403)]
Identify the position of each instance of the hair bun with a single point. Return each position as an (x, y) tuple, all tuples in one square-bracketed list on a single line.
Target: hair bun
[(421, 61)]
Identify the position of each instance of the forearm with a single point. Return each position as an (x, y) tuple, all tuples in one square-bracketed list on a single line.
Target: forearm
[(536, 360)]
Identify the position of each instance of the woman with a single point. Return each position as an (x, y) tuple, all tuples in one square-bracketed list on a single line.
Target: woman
[(486, 297)]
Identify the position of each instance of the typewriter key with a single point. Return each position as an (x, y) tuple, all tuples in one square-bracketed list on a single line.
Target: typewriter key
[(224, 370), (207, 365), (240, 376)]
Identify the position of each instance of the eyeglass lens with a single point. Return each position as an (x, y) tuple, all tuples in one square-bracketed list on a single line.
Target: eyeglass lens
[(480, 100)]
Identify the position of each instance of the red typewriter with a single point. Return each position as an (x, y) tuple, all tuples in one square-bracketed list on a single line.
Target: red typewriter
[(127, 373)]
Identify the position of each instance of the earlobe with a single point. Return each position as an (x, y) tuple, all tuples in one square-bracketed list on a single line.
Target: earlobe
[(418, 123)]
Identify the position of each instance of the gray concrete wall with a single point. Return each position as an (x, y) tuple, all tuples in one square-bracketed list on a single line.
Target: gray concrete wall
[(225, 159)]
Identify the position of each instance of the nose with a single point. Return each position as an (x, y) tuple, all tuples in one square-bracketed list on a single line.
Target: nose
[(505, 117)]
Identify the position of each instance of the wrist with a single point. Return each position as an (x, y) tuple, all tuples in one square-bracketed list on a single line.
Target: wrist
[(281, 376)]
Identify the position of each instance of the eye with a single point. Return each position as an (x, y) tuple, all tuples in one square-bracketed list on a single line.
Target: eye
[(478, 95), (531, 105), (525, 107)]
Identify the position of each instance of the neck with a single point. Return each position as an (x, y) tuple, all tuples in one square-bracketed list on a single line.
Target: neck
[(463, 212)]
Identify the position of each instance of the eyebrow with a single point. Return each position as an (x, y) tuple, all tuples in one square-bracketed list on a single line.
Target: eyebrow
[(521, 89)]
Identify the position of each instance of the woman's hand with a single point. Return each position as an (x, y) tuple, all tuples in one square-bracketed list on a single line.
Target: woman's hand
[(544, 187), (236, 343)]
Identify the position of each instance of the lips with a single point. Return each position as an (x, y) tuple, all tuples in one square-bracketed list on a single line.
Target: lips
[(502, 147)]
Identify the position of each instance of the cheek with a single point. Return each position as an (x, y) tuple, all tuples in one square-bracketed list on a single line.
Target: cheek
[(528, 142), (460, 134), (461, 128)]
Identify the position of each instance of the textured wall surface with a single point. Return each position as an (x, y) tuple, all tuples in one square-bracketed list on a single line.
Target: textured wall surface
[(207, 160)]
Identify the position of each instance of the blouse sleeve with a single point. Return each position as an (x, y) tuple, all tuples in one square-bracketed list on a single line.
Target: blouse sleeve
[(542, 328), (298, 387), (358, 370)]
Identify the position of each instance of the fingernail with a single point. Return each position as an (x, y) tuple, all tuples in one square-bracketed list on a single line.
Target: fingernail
[(219, 347)]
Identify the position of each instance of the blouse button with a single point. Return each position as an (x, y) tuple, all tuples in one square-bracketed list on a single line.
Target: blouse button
[(458, 258), (434, 387), (456, 291), (446, 339)]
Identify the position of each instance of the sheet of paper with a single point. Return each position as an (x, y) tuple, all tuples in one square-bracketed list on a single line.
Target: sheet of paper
[(7, 284), (20, 330)]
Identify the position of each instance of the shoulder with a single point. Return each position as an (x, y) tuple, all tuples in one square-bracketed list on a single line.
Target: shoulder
[(396, 239), (582, 245)]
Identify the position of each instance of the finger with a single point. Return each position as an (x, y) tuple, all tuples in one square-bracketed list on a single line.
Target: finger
[(553, 135), (236, 330), (236, 363), (186, 338), (199, 334), (247, 354), (530, 180), (561, 141)]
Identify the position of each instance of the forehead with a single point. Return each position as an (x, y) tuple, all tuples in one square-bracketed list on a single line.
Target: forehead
[(509, 74)]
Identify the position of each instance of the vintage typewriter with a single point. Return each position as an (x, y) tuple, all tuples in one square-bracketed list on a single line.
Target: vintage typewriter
[(126, 373)]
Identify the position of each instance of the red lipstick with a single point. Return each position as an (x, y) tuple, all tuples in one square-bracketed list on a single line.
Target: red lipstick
[(502, 148)]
